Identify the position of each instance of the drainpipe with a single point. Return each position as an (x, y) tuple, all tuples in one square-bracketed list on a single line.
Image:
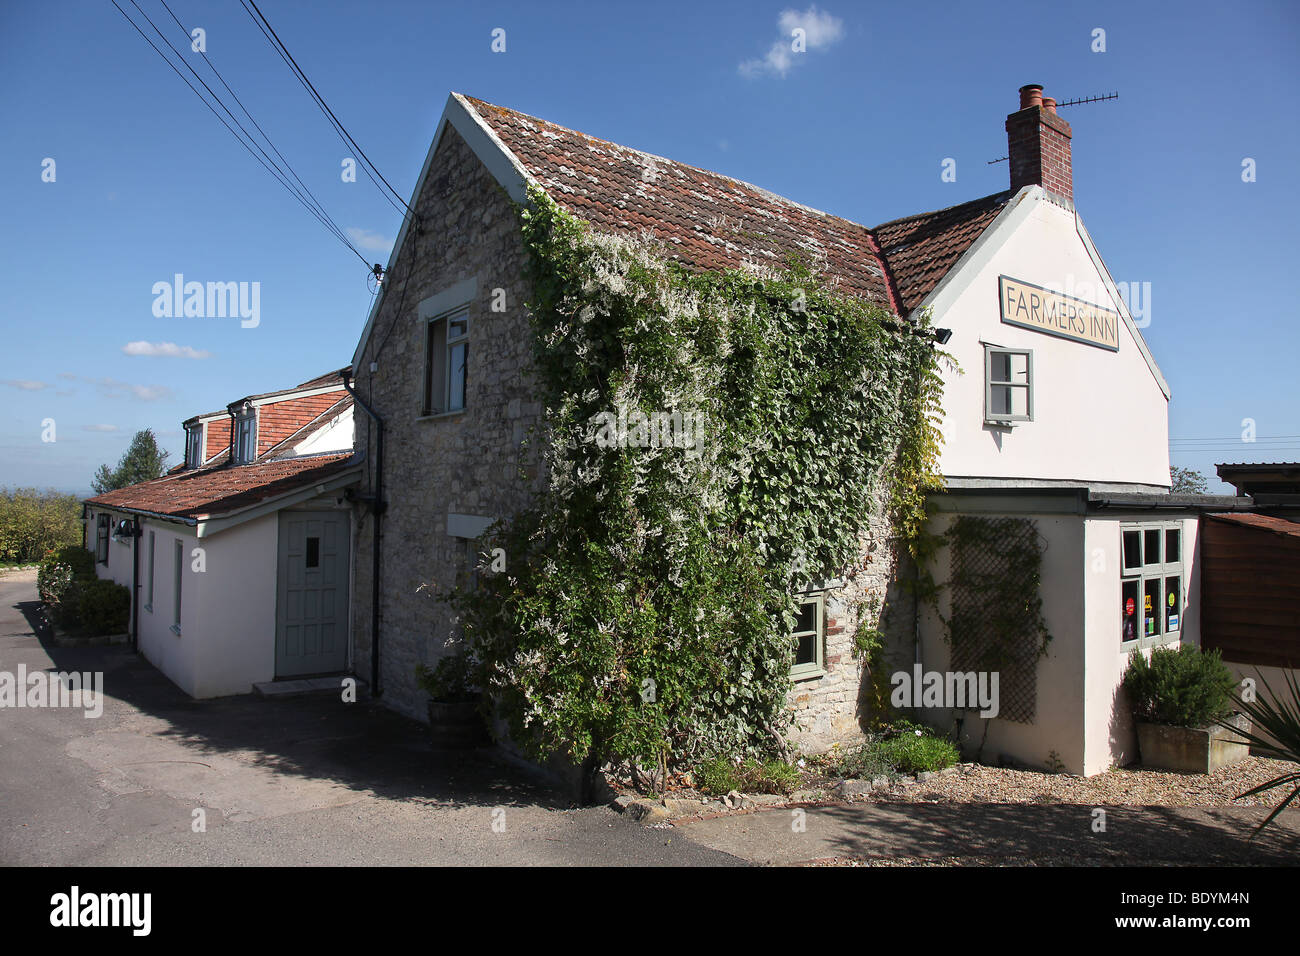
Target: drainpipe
[(377, 507)]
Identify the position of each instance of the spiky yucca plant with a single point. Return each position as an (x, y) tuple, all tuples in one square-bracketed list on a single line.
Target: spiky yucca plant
[(1279, 720)]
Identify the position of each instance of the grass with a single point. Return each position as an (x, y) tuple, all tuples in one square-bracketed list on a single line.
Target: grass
[(903, 748), (720, 776)]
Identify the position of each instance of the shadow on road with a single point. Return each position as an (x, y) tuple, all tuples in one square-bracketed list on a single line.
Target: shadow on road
[(363, 746)]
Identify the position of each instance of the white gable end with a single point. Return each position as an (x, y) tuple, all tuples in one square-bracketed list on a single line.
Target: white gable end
[(1098, 415)]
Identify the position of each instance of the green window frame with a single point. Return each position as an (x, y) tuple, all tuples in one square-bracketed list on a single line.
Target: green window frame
[(1153, 575), (1008, 385), (809, 636)]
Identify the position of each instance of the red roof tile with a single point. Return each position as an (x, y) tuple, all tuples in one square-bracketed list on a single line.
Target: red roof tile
[(921, 249), (206, 492), (1262, 522), (710, 221)]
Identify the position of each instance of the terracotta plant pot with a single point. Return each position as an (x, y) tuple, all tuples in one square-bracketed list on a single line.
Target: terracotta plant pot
[(457, 725), (1192, 749)]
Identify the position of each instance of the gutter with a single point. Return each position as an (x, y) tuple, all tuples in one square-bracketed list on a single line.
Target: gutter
[(377, 508)]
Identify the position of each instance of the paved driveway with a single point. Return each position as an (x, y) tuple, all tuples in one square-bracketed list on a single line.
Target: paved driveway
[(302, 781)]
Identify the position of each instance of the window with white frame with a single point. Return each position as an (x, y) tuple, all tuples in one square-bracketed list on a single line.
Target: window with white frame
[(1008, 385), (809, 636), (446, 363), (194, 446), (1152, 581), (101, 538), (245, 436)]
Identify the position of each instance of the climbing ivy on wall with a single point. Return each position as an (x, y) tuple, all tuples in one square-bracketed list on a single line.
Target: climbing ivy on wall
[(712, 439)]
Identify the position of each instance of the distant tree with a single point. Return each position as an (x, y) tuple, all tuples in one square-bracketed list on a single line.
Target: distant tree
[(142, 461), (1188, 481)]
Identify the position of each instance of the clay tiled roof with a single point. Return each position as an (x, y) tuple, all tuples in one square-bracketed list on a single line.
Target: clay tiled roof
[(1262, 522), (710, 221), (309, 428), (921, 249), (206, 492)]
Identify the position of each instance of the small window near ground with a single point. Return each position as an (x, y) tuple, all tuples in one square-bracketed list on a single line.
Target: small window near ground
[(1008, 385), (809, 636), (1151, 585)]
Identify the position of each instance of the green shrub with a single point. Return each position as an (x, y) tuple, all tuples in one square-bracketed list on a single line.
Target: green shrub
[(716, 776), (916, 752), (32, 522), (719, 776), (59, 567), (1182, 687), (448, 681), (103, 606)]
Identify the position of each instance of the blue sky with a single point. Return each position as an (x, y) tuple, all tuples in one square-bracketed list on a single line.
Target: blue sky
[(148, 184)]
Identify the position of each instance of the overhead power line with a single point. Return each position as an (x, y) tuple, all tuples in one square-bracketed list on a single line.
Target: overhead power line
[(246, 140), (370, 169)]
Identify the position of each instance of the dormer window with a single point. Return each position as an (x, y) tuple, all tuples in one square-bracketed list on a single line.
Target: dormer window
[(194, 446), (245, 435)]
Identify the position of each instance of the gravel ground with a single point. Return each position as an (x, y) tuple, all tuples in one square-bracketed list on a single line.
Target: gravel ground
[(1119, 787)]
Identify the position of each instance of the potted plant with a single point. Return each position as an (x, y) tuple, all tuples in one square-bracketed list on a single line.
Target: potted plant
[(455, 707), (1183, 704)]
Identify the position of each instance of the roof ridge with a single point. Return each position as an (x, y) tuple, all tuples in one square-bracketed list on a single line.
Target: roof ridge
[(935, 212)]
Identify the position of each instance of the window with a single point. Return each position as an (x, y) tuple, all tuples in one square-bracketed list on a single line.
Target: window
[(313, 552), (1008, 385), (809, 633), (1151, 585), (245, 436), (194, 446), (101, 538), (179, 567), (148, 605), (446, 363)]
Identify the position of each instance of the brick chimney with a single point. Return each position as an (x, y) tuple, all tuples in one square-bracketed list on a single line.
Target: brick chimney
[(1038, 145)]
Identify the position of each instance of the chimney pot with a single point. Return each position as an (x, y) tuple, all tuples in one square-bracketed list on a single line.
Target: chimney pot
[(1031, 95), (1049, 104)]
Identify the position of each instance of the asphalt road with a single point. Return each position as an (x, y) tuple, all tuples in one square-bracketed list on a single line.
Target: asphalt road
[(303, 781)]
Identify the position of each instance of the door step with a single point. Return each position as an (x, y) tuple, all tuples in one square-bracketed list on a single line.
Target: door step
[(308, 685)]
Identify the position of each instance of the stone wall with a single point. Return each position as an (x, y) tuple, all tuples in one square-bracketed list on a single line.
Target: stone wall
[(468, 462), (474, 462), (835, 707)]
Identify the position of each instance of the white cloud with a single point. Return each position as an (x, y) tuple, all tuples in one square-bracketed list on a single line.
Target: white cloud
[(369, 240), (26, 384), (165, 349), (112, 388), (820, 30), (99, 428)]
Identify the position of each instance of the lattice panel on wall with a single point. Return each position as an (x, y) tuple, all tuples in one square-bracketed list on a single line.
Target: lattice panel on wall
[(988, 637)]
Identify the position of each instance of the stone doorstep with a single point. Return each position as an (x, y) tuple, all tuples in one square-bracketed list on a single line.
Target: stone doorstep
[(305, 686)]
